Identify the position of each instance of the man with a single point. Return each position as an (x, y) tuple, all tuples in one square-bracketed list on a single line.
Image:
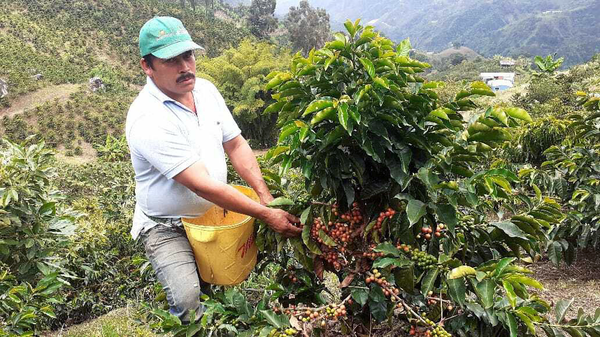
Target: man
[(179, 130)]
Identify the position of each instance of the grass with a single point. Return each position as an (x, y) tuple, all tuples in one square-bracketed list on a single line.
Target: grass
[(117, 323)]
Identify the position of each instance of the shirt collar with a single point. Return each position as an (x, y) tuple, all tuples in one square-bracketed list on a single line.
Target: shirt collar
[(154, 91)]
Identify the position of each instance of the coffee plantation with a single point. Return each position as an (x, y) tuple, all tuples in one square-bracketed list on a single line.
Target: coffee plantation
[(421, 204)]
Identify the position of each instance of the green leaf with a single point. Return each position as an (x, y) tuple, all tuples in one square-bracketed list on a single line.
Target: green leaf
[(561, 308), (510, 293), (317, 105), (388, 261), (388, 249), (485, 292), (281, 201), (500, 266), (429, 280), (343, 115), (525, 319), (382, 82), (518, 113), (555, 252), (405, 279), (310, 244), (510, 229), (350, 28), (360, 296), (305, 215), (512, 324), (525, 280), (273, 319), (192, 329), (447, 214), (457, 290), (415, 211), (460, 272), (377, 303), (368, 66), (326, 239), (404, 48), (355, 114)]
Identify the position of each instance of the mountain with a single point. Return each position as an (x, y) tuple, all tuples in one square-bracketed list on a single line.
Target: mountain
[(506, 27)]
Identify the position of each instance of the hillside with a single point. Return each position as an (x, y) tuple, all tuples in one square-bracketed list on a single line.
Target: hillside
[(510, 28), (49, 45)]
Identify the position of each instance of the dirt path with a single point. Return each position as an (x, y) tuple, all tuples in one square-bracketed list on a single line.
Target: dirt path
[(580, 281), (39, 97)]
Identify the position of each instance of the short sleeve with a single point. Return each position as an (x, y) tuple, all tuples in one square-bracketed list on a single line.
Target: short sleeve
[(228, 126), (163, 145)]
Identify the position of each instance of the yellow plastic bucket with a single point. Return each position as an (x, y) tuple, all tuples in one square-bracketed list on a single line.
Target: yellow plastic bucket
[(223, 243)]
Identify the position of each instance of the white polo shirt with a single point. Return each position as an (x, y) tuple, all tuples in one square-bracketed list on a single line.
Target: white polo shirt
[(165, 138)]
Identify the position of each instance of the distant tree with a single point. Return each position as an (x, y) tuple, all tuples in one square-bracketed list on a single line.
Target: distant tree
[(262, 19), (308, 27), (456, 45), (456, 58), (192, 2), (241, 75), (549, 64)]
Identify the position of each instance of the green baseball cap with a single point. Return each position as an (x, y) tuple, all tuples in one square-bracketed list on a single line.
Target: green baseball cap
[(165, 37)]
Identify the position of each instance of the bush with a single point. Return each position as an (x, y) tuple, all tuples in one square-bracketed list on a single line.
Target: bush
[(239, 74), (35, 232), (533, 139)]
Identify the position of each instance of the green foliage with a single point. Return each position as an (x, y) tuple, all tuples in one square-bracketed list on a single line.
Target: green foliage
[(579, 164), (85, 117), (308, 27), (44, 36), (115, 149), (227, 313), (107, 267), (240, 75), (24, 307), (34, 227), (367, 132), (548, 64), (34, 230), (534, 138)]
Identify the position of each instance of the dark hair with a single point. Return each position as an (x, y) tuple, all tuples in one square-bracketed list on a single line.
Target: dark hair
[(149, 59)]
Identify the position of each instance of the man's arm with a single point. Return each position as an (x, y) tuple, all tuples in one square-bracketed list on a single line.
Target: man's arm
[(244, 162), (198, 180)]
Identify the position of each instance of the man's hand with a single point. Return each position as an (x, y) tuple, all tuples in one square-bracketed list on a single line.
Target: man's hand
[(282, 222)]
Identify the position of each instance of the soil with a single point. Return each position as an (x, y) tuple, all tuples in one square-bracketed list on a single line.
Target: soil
[(580, 281)]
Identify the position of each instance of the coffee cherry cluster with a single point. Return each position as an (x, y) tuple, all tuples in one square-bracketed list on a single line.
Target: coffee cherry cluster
[(389, 213), (332, 256), (431, 300), (436, 331), (383, 283), (318, 315), (371, 254), (282, 332), (422, 259), (427, 232)]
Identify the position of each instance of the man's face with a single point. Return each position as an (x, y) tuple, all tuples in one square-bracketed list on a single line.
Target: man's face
[(175, 76)]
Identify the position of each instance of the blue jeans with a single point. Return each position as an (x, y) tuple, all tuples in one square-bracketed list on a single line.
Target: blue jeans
[(170, 253)]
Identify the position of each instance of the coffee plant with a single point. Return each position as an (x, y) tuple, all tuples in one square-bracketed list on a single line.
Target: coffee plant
[(404, 210), (572, 172), (34, 230)]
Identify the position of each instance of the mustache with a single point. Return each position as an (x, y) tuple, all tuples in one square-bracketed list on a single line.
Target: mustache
[(185, 76)]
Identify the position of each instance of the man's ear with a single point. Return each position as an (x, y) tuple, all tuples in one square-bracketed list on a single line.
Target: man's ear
[(146, 67)]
